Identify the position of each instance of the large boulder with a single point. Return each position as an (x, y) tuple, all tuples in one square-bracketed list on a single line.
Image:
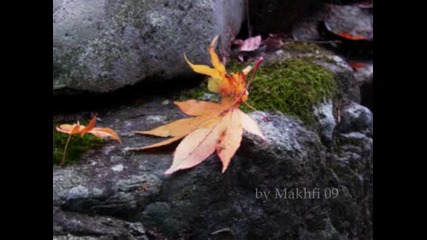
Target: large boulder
[(332, 187), (100, 46)]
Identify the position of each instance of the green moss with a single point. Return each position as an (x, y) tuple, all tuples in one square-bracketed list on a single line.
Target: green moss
[(302, 47), (77, 146), (308, 51), (194, 93), (292, 86)]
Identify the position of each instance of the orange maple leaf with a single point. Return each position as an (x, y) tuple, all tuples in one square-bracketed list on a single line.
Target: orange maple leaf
[(82, 130), (213, 126)]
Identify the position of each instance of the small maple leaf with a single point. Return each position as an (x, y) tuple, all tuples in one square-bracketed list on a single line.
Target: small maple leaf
[(72, 129), (213, 126), (248, 45)]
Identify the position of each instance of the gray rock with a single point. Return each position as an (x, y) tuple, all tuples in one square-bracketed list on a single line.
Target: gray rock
[(342, 19), (71, 237), (100, 46), (339, 18), (365, 79), (348, 87), (305, 30), (202, 203), (355, 118), (325, 119), (365, 75), (349, 19), (353, 162), (74, 226)]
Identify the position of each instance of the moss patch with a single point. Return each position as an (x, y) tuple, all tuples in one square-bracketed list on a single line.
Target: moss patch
[(308, 51), (302, 47), (194, 93), (292, 86), (77, 146)]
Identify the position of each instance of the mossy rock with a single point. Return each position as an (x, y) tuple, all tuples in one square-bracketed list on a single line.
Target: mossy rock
[(76, 147), (292, 86)]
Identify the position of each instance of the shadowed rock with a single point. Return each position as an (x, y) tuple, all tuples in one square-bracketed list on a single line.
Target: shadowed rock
[(202, 203)]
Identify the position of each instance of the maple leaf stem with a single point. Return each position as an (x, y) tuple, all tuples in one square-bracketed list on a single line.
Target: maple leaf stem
[(253, 73), (65, 150), (253, 109), (247, 87), (250, 80)]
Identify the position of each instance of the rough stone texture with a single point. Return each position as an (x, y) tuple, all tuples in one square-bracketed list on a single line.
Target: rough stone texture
[(348, 87), (339, 18), (349, 19), (306, 30), (325, 120), (72, 237), (355, 118), (355, 85), (352, 160), (75, 226), (365, 74), (100, 46), (365, 78), (202, 203)]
